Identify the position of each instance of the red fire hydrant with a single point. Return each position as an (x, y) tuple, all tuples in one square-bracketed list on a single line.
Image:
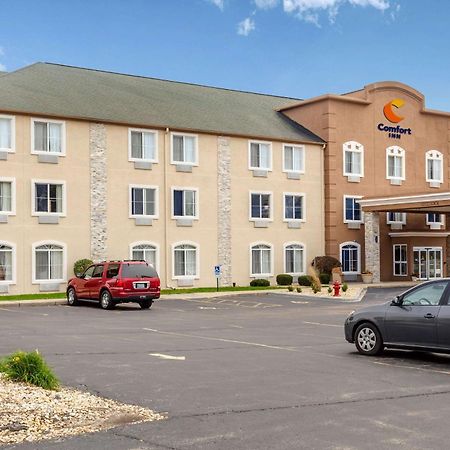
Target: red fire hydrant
[(336, 287)]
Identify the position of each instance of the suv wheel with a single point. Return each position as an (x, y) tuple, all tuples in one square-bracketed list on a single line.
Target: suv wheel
[(368, 340), (145, 304), (106, 301), (72, 298)]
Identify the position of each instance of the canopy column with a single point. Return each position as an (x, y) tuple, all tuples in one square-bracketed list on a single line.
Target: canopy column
[(372, 243)]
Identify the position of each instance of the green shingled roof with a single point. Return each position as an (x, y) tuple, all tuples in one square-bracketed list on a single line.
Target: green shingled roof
[(65, 91)]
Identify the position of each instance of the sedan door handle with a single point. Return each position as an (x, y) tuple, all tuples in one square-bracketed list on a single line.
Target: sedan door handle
[(429, 316)]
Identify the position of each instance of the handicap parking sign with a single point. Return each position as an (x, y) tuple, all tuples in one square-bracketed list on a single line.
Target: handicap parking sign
[(217, 271)]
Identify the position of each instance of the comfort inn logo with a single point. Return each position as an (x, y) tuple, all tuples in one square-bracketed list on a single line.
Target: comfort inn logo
[(390, 112)]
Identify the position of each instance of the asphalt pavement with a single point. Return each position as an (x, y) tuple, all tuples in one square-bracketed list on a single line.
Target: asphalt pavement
[(247, 372)]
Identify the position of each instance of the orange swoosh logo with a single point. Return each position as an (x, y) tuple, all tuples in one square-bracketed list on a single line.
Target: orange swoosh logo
[(389, 112)]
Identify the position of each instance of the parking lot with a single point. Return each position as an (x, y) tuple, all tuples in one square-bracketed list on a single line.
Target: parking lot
[(245, 372)]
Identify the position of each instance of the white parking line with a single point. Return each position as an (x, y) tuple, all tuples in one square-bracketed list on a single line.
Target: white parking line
[(399, 366), (323, 324), (162, 356)]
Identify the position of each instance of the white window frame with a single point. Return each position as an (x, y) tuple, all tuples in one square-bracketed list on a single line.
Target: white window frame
[(257, 219), (153, 244), (396, 222), (33, 262), (356, 197), (397, 151), (13, 134), (439, 224), (399, 262), (297, 194), (358, 246), (130, 200), (184, 163), (197, 261), (354, 149), (63, 137), (11, 180), (302, 159), (258, 275), (250, 167), (197, 202), (35, 213), (13, 262), (285, 246), (142, 130), (434, 155)]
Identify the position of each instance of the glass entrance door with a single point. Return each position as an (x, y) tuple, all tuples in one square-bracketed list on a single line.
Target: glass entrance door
[(428, 262)]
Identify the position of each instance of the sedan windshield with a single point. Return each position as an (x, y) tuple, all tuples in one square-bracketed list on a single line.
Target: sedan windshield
[(138, 271)]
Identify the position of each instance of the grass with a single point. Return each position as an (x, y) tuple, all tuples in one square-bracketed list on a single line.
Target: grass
[(59, 295)]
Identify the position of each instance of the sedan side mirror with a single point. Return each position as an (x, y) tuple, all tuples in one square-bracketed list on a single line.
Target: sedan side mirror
[(397, 301)]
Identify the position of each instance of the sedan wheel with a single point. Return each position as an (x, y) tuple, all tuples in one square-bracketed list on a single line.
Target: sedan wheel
[(72, 299), (106, 302), (368, 339)]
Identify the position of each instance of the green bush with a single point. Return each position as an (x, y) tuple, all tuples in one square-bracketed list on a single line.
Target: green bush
[(330, 290), (325, 278), (283, 279), (299, 290), (290, 288), (29, 368), (81, 265), (324, 264), (260, 282), (304, 280), (344, 287)]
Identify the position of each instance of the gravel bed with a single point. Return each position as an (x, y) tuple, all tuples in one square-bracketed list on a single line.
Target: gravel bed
[(29, 413)]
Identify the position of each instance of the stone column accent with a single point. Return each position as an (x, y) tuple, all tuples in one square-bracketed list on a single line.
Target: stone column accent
[(224, 209), (98, 174), (372, 243)]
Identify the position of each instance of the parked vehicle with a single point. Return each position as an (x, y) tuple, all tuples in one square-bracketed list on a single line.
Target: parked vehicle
[(418, 319), (113, 282)]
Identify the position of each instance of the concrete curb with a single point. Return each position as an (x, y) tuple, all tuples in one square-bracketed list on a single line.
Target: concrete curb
[(339, 299), (41, 302)]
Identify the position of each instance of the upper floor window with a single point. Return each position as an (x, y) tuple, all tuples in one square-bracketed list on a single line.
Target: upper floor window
[(143, 145), (294, 259), (395, 218), (293, 158), (185, 203), (49, 262), (184, 149), (7, 195), (260, 156), (434, 166), (49, 197), (7, 133), (143, 201), (7, 263), (352, 209), (395, 163), (48, 136), (435, 220), (353, 159), (185, 260), (260, 205), (294, 207), (261, 260)]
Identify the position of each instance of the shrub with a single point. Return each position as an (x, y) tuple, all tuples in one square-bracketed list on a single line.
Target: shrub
[(330, 290), (344, 287), (324, 264), (260, 282), (290, 288), (283, 279), (304, 280), (315, 281), (325, 278), (81, 265), (299, 290), (29, 368)]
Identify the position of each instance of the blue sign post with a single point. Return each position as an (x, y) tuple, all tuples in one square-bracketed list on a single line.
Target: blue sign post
[(217, 271)]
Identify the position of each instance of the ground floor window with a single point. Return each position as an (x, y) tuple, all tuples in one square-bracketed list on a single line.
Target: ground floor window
[(261, 259), (146, 252), (350, 257), (294, 259), (49, 262), (400, 260), (6, 262), (185, 260)]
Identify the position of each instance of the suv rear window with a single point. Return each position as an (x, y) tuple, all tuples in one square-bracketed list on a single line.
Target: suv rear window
[(138, 271)]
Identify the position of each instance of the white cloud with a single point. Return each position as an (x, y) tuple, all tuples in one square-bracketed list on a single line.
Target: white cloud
[(2, 68), (218, 3), (266, 4), (246, 26)]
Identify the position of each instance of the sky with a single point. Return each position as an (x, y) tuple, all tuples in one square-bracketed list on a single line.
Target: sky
[(294, 48)]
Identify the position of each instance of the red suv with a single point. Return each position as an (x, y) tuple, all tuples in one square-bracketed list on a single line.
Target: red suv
[(116, 282)]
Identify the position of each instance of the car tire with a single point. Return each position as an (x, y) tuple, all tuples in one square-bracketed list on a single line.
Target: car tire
[(72, 299), (145, 304), (368, 340), (106, 301)]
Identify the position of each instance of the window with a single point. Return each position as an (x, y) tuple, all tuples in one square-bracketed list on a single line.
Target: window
[(395, 161), (49, 197), (98, 271), (7, 196), (395, 218), (261, 260), (88, 273), (400, 260), (352, 209), (48, 136), (185, 203), (7, 262), (350, 257), (143, 145), (434, 163), (293, 158), (113, 271), (435, 220), (260, 156), (294, 259), (7, 133), (185, 260), (260, 205), (49, 262), (145, 251), (184, 149), (143, 201), (425, 296), (353, 159), (294, 206)]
